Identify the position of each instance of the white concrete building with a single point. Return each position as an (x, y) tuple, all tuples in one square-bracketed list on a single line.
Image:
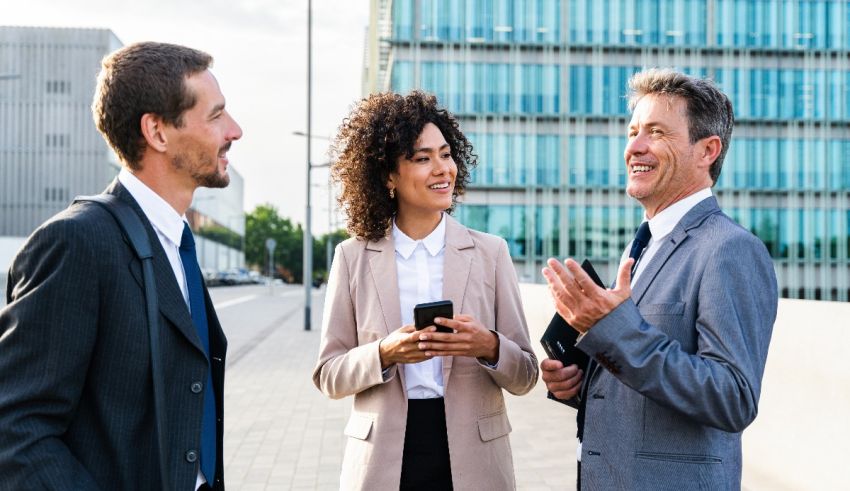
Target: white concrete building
[(51, 151)]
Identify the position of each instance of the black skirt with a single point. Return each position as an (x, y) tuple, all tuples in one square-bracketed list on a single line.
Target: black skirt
[(425, 463)]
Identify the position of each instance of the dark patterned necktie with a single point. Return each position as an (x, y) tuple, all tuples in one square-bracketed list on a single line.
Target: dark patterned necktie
[(199, 319), (639, 243)]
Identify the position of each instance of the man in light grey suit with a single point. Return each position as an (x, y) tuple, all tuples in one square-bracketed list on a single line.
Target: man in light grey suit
[(678, 346), (77, 408)]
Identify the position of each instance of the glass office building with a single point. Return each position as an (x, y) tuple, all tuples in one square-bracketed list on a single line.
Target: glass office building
[(540, 87)]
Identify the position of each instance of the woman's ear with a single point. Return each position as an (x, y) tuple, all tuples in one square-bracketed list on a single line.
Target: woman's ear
[(153, 131)]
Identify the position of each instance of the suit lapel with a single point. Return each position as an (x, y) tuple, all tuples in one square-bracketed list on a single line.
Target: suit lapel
[(383, 270), (170, 298), (692, 219), (457, 263)]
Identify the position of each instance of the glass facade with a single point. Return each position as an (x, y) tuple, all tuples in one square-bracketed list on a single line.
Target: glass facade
[(782, 164), (499, 21), (539, 87), (771, 24)]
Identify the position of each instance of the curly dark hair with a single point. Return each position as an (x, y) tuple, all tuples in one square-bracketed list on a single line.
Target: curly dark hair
[(380, 129)]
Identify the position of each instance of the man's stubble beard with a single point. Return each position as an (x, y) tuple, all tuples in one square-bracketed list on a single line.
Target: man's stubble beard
[(195, 165)]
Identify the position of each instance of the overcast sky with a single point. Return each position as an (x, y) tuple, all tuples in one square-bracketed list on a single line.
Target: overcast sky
[(260, 51)]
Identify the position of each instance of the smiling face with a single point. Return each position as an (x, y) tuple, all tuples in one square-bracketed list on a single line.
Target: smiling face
[(424, 184), (663, 167), (199, 147)]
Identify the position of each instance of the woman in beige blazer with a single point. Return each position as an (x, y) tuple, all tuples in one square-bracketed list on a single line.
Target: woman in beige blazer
[(428, 406)]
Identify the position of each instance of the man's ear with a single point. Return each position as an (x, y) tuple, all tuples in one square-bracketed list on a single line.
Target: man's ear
[(153, 131), (709, 149)]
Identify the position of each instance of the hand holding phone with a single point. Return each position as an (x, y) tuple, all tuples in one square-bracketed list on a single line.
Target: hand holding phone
[(425, 313)]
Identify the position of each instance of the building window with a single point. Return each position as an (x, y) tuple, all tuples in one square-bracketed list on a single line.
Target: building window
[(57, 140), (58, 87), (55, 195)]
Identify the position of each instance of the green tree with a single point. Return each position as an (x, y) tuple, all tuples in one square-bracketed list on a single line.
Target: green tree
[(265, 222), (320, 252)]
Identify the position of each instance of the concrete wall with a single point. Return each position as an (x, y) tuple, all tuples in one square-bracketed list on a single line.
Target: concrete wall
[(801, 437), (49, 147), (8, 248)]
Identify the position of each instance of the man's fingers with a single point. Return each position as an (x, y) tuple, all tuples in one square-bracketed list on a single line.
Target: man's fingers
[(565, 395), (551, 276), (557, 376), (550, 365), (557, 288), (566, 389), (582, 280), (562, 272), (624, 274)]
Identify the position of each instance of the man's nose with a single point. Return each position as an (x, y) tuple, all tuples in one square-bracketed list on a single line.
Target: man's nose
[(235, 131), (637, 145)]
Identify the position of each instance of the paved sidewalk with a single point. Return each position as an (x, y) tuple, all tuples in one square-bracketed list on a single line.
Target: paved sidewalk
[(282, 433)]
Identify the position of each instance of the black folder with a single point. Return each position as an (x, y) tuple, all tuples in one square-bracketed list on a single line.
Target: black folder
[(559, 340)]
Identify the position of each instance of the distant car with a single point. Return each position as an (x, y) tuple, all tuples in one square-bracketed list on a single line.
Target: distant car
[(211, 278), (256, 277), (235, 276)]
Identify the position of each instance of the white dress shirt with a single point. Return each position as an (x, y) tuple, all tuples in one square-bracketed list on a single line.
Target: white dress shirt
[(168, 226), (662, 224), (420, 279)]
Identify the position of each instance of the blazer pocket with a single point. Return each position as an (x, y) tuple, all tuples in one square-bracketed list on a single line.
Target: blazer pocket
[(493, 426), (675, 308), (358, 426), (679, 458)]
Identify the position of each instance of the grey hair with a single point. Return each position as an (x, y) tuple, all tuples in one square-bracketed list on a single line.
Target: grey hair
[(708, 110)]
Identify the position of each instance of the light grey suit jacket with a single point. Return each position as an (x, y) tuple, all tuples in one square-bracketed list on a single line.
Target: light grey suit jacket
[(683, 362)]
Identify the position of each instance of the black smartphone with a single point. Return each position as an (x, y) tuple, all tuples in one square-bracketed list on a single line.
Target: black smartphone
[(424, 314)]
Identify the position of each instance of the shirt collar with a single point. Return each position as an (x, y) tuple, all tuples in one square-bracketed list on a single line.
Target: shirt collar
[(433, 243), (666, 220), (161, 215)]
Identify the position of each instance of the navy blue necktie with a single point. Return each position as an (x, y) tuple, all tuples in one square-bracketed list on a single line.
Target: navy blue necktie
[(639, 243), (199, 318)]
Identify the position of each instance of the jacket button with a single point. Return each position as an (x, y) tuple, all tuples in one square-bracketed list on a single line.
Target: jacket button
[(197, 387), (191, 456)]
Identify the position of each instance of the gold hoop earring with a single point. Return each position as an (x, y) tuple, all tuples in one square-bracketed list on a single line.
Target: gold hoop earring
[(392, 193)]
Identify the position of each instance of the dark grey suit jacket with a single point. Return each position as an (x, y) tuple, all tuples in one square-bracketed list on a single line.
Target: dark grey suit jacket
[(678, 367), (76, 405)]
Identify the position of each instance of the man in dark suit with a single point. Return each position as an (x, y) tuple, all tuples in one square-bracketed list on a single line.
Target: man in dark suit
[(678, 347), (76, 391)]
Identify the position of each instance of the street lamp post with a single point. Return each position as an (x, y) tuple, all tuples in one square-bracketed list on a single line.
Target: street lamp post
[(308, 239)]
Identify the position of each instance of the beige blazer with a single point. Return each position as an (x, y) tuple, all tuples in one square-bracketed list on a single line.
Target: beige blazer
[(362, 307)]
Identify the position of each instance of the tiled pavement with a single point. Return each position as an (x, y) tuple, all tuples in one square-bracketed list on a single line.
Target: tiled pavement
[(282, 433)]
